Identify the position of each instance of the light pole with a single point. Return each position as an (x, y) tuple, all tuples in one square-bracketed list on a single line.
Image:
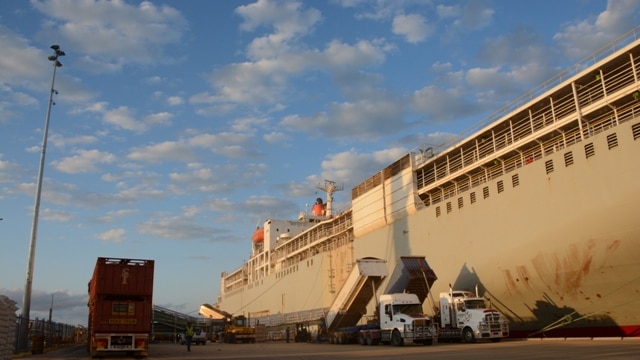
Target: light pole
[(26, 298)]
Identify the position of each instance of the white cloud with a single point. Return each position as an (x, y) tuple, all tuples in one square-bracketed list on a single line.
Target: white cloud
[(352, 167), (276, 137), (582, 37), (56, 215), (363, 119), (448, 11), (85, 161), (475, 16), (158, 153), (105, 29), (113, 235), (176, 228), (289, 19), (161, 118), (59, 141), (413, 26), (122, 117), (175, 100), (441, 104)]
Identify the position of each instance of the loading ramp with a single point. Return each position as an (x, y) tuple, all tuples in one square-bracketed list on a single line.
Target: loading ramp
[(359, 288), (412, 275)]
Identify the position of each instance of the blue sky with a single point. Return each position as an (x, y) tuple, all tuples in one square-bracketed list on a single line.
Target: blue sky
[(180, 125)]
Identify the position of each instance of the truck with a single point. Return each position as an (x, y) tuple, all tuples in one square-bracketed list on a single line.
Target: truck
[(120, 307), (400, 319), (464, 316), (398, 315)]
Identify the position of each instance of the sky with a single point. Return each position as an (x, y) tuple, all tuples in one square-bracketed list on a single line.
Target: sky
[(180, 126)]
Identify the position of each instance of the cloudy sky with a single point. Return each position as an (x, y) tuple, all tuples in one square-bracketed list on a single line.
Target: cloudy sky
[(179, 126)]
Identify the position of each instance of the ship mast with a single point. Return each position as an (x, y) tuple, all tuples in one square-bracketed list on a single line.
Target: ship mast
[(329, 188)]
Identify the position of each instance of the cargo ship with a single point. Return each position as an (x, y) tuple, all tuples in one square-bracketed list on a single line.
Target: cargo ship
[(535, 208)]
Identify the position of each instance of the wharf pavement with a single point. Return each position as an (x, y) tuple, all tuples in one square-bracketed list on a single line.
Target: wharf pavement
[(509, 349)]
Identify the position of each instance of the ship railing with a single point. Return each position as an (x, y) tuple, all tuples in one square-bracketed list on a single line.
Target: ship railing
[(544, 128), (560, 107), (303, 245), (606, 50), (544, 148)]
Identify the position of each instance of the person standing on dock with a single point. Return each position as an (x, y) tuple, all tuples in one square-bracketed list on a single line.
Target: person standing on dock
[(188, 335)]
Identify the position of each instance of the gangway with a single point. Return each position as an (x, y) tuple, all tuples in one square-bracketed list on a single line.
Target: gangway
[(359, 288), (211, 312)]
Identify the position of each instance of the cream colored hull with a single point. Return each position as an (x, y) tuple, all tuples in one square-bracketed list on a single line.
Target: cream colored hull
[(538, 210), (566, 243)]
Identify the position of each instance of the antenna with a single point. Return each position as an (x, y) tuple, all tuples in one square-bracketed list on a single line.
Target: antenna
[(329, 188)]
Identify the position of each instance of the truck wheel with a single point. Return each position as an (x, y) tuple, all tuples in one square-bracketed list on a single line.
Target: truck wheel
[(362, 338), (396, 338), (369, 340), (467, 336)]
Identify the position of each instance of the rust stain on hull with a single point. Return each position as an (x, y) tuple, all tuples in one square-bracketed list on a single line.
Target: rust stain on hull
[(561, 273)]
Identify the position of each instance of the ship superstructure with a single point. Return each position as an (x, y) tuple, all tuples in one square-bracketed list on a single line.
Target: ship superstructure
[(536, 207)]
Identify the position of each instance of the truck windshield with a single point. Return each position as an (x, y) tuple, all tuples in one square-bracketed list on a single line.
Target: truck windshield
[(475, 304), (407, 309)]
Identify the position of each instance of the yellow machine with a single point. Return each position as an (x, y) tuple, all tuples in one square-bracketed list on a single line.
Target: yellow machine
[(237, 329)]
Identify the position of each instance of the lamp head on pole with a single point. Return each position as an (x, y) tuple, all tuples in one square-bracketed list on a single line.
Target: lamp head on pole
[(59, 52)]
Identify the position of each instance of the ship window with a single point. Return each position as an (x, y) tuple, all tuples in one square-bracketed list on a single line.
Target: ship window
[(485, 192), (472, 197), (612, 141), (589, 150), (568, 158), (448, 207), (549, 166), (437, 211), (636, 131), (460, 203), (515, 180), (500, 186)]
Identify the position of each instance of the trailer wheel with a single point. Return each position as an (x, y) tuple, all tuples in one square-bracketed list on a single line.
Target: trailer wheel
[(396, 338), (467, 336), (362, 338), (369, 340)]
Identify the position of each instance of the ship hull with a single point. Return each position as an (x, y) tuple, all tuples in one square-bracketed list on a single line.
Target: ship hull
[(536, 211), (557, 247)]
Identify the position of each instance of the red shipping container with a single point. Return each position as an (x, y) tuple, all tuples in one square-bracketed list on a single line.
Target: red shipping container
[(120, 306), (113, 276), (109, 314)]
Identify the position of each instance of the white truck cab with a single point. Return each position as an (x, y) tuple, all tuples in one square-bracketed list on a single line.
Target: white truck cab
[(465, 316), (402, 318)]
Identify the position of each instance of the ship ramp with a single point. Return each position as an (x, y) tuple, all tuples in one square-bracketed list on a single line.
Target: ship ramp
[(211, 312), (412, 275), (359, 288)]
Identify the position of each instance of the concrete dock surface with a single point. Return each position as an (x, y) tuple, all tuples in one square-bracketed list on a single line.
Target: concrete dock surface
[(563, 349)]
